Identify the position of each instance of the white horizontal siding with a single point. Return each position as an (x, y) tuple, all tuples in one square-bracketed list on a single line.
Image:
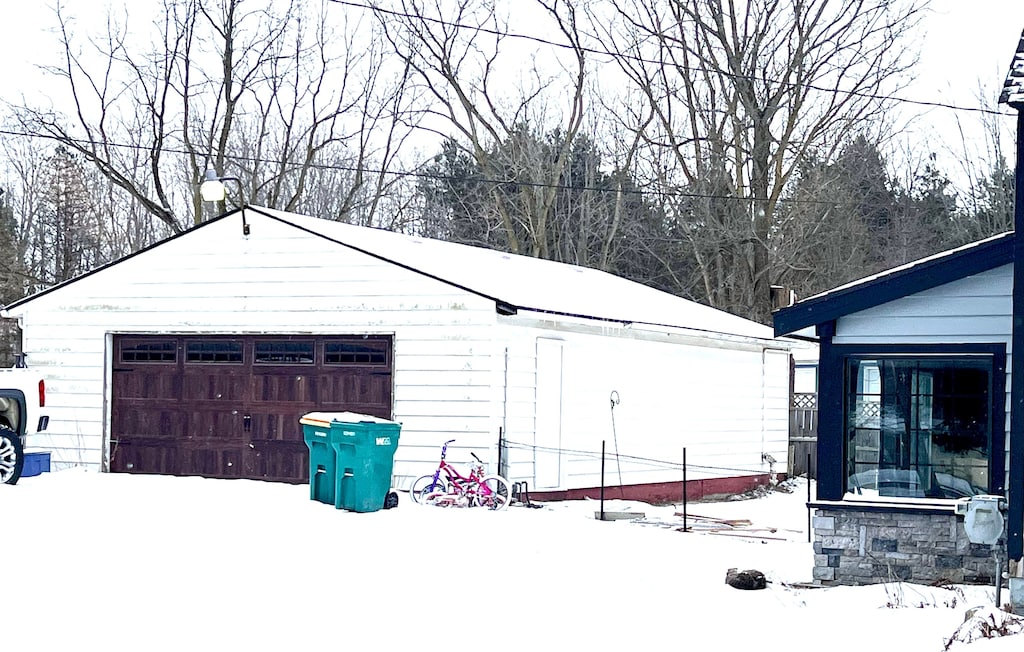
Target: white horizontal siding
[(775, 401), (253, 315), (279, 280), (723, 405), (974, 309), (457, 374)]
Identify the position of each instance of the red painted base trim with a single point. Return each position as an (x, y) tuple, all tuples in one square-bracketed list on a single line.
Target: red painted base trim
[(662, 492)]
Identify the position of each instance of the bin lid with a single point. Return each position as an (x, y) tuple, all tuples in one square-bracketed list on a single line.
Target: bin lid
[(325, 419)]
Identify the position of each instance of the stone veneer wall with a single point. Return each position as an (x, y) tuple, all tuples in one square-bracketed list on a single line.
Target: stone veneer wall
[(869, 545)]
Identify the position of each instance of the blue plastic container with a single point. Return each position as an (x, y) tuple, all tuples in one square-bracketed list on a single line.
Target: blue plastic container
[(36, 463)]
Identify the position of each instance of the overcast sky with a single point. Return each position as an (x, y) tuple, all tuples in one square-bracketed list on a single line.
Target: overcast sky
[(963, 43)]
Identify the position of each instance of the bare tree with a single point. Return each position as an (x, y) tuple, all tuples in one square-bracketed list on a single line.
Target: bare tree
[(263, 91), (989, 192), (456, 59), (741, 92)]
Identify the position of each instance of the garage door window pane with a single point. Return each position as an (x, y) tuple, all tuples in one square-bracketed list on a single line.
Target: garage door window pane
[(284, 352), (165, 351), (369, 353), (220, 352)]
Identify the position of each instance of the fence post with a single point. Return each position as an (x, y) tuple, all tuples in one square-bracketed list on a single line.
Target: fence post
[(502, 462), (684, 490), (809, 497), (602, 479)]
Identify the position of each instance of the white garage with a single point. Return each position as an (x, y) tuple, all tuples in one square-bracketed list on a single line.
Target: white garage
[(197, 356)]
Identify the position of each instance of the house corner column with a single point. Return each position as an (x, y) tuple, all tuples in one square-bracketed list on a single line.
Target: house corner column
[(831, 455), (1015, 488)]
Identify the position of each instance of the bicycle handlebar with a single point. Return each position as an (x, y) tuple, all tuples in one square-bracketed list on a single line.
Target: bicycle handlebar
[(444, 449), (476, 458)]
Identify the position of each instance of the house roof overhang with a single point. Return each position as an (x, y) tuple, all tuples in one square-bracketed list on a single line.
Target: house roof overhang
[(1013, 88), (895, 283)]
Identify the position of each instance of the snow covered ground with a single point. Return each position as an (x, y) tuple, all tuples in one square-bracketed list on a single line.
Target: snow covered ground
[(119, 562)]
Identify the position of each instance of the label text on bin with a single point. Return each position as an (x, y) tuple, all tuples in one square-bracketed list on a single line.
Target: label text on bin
[(383, 441)]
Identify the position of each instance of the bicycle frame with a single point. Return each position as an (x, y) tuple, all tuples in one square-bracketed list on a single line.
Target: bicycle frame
[(458, 488)]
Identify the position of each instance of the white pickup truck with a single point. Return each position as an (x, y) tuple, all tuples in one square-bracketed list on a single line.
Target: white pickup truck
[(22, 400)]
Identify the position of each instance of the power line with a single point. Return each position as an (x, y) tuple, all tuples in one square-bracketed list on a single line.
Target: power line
[(676, 193), (661, 194), (640, 59)]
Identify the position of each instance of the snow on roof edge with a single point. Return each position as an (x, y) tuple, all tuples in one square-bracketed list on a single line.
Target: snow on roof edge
[(740, 326), (905, 267)]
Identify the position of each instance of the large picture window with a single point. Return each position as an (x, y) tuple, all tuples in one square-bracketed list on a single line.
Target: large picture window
[(919, 426)]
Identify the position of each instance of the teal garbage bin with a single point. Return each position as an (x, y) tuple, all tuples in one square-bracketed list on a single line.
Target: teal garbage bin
[(322, 459), (351, 457)]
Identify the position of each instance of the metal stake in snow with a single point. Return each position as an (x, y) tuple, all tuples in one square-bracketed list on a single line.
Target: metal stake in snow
[(615, 440), (684, 490), (809, 509)]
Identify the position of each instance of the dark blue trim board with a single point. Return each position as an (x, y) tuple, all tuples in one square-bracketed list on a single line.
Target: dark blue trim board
[(900, 282), (832, 401), (1015, 495), (830, 416)]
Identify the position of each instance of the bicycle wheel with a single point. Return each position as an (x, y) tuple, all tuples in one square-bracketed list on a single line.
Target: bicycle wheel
[(423, 485), (498, 492)]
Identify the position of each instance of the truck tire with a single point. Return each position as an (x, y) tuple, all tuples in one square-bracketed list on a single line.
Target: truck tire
[(12, 457)]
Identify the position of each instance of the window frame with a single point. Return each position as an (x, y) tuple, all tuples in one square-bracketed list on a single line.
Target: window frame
[(238, 348), (308, 344), (378, 342), (131, 346), (995, 353)]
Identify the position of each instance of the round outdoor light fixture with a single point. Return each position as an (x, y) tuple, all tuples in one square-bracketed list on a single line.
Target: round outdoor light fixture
[(212, 188)]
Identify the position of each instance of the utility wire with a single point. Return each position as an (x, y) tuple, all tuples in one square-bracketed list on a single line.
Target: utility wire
[(535, 184), (647, 461), (433, 176), (640, 59)]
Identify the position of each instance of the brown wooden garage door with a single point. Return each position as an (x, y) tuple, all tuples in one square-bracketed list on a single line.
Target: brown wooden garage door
[(229, 407)]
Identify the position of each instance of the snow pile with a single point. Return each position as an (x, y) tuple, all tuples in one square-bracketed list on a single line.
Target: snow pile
[(986, 622), (132, 562)]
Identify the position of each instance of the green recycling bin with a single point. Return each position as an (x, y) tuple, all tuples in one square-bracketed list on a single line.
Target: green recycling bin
[(322, 459), (351, 457)]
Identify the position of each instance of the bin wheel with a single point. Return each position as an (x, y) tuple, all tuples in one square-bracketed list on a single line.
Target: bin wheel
[(12, 456), (424, 485), (391, 500)]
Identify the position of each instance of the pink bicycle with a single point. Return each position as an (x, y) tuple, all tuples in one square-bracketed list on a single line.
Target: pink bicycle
[(446, 487)]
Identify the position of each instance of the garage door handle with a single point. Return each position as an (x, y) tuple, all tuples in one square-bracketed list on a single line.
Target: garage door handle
[(247, 423)]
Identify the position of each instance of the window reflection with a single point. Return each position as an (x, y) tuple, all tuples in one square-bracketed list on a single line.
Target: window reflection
[(918, 427)]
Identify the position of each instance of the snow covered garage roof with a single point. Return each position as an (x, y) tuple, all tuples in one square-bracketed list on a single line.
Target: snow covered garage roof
[(524, 283), (516, 283)]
